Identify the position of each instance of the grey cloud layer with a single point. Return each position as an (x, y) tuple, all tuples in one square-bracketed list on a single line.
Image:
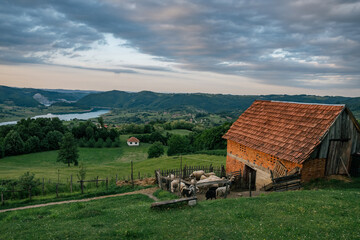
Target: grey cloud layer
[(277, 42)]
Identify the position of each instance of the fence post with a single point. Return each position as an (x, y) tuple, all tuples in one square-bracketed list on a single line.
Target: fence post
[(82, 186), (132, 174), (116, 179), (97, 181), (139, 175), (107, 184), (2, 198), (71, 183)]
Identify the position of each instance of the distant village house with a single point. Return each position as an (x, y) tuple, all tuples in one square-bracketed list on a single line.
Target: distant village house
[(318, 139), (133, 142)]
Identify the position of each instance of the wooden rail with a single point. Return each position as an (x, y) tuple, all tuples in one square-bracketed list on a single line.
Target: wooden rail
[(169, 202)]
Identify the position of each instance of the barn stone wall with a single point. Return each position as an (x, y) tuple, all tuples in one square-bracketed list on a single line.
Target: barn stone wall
[(313, 168)]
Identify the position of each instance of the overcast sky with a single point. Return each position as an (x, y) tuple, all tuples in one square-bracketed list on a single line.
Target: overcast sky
[(236, 47)]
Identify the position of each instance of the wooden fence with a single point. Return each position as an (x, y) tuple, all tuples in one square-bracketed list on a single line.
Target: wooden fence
[(187, 170)]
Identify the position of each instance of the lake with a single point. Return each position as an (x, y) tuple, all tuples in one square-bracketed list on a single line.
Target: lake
[(67, 116)]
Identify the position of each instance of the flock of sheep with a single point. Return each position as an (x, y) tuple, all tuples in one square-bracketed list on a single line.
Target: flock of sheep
[(212, 190)]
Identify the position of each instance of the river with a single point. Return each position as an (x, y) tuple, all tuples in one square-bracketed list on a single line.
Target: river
[(67, 116)]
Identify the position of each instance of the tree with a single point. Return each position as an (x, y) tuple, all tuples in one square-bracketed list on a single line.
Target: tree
[(68, 152), (82, 172), (13, 143), (99, 143), (156, 150), (54, 138), (2, 148), (101, 121), (32, 144), (27, 181), (178, 145), (108, 142)]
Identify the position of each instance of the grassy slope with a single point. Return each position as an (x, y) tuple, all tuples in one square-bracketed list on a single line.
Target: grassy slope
[(322, 214), (104, 162)]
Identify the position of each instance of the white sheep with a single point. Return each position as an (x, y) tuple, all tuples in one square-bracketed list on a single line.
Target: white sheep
[(174, 185), (182, 186), (209, 174), (197, 174), (220, 191)]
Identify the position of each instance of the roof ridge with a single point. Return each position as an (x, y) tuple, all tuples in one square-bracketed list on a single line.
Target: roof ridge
[(320, 104)]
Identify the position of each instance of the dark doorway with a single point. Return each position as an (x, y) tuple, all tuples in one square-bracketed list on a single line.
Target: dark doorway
[(247, 171), (338, 159)]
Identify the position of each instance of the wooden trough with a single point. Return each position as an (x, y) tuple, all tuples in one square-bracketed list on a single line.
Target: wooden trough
[(170, 202)]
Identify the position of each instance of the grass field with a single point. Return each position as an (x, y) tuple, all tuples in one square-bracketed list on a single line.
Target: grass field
[(308, 214), (103, 162)]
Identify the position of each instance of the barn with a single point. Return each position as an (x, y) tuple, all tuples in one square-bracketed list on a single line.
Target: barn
[(318, 139)]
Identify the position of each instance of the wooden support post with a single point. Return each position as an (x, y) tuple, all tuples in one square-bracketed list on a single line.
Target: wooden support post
[(138, 175), (116, 179), (71, 187), (158, 179), (82, 186), (2, 198), (107, 184), (249, 184), (226, 190), (97, 181), (132, 174), (180, 176)]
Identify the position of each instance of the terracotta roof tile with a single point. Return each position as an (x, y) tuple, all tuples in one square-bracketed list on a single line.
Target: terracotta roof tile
[(290, 131), (133, 139)]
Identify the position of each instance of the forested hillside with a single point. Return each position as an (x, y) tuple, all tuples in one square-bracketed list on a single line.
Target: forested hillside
[(25, 96), (213, 103)]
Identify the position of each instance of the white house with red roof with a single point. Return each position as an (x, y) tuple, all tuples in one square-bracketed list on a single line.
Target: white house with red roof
[(133, 142)]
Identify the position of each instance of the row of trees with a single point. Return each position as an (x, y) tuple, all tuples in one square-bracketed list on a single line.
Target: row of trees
[(156, 126), (43, 134), (210, 139)]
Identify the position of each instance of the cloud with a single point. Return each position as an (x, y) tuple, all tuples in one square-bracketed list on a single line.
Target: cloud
[(299, 43)]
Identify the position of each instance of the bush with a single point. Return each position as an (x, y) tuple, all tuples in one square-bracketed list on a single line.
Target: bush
[(99, 143), (217, 152), (156, 150), (178, 145)]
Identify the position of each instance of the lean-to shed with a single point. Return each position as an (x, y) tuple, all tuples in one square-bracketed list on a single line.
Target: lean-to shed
[(317, 138)]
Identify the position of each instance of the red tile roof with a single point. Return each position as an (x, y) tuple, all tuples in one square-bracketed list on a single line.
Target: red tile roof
[(133, 139), (286, 130)]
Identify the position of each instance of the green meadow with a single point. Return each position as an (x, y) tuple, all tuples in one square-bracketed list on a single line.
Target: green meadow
[(102, 162), (307, 214)]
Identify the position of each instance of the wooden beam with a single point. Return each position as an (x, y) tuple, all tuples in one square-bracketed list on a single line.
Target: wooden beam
[(168, 202)]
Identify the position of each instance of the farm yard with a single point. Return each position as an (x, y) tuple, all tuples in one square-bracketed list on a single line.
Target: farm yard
[(328, 213)]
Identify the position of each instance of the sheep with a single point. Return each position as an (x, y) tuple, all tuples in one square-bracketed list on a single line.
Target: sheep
[(211, 193), (174, 185), (221, 191), (197, 174), (182, 186), (203, 177), (209, 174), (171, 176)]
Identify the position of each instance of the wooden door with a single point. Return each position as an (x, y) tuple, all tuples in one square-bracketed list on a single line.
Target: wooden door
[(247, 171), (338, 159)]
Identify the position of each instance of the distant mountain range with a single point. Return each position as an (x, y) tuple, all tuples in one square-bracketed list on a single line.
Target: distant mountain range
[(30, 97), (146, 100)]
